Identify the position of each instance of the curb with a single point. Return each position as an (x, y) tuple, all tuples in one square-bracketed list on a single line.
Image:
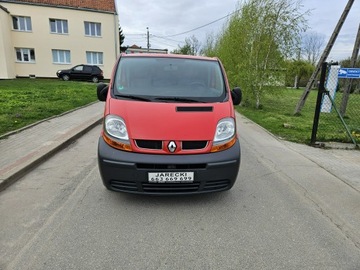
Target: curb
[(40, 156)]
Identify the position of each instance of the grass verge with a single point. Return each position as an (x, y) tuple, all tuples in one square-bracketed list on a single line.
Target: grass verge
[(26, 101), (277, 116)]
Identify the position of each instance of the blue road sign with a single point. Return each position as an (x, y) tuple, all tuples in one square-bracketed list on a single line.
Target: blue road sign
[(349, 73)]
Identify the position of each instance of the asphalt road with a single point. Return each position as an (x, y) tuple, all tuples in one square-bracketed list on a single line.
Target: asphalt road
[(60, 216)]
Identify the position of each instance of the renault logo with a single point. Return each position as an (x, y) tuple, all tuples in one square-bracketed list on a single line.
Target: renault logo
[(172, 146)]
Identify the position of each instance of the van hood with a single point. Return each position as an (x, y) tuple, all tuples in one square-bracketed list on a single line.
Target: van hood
[(170, 121)]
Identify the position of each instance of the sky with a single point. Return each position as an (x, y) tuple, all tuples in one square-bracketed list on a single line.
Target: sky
[(169, 22)]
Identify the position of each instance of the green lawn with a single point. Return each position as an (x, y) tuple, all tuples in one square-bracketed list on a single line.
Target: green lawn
[(277, 116), (26, 101)]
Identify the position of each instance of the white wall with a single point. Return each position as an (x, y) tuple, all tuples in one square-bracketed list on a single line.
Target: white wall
[(7, 68)]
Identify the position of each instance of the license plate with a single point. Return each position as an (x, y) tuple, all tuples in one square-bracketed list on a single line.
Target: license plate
[(171, 177)]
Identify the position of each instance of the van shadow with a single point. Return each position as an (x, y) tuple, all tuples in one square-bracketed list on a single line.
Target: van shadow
[(223, 197)]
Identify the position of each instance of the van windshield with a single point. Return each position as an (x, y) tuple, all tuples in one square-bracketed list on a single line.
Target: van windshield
[(169, 79)]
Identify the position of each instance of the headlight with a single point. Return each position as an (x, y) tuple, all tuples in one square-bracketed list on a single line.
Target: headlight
[(225, 130), (224, 135), (115, 127)]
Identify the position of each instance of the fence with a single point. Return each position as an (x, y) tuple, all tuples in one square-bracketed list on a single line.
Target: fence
[(337, 114)]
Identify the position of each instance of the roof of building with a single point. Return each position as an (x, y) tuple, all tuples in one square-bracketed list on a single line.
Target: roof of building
[(101, 5)]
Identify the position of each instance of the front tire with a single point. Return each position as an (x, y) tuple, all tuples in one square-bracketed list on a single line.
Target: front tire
[(66, 77)]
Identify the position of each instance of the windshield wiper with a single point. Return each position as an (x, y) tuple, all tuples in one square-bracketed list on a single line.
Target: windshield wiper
[(134, 97), (177, 99)]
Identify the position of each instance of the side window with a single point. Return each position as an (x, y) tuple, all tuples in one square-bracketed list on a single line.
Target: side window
[(61, 56), (59, 26), (92, 29), (87, 69), (25, 55), (79, 68), (94, 58), (22, 23)]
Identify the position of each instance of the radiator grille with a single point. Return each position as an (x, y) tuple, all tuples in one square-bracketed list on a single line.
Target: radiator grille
[(170, 188), (125, 186), (216, 185), (193, 145), (149, 144), (158, 144)]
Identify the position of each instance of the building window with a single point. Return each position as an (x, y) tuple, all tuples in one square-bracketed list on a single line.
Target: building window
[(61, 56), (25, 55), (21, 23), (94, 58), (59, 26), (93, 29)]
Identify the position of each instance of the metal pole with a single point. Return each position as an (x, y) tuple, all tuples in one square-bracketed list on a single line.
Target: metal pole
[(318, 103)]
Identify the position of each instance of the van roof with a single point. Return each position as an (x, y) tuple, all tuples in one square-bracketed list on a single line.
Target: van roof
[(159, 55)]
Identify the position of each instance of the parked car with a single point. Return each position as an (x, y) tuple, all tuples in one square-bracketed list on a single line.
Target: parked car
[(81, 72), (169, 126)]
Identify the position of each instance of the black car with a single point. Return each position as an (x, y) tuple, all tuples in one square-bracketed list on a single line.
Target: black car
[(81, 72)]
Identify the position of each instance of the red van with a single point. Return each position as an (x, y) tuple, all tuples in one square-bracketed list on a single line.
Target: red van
[(169, 126)]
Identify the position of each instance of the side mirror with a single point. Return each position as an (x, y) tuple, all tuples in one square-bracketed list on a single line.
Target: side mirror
[(236, 95), (102, 91)]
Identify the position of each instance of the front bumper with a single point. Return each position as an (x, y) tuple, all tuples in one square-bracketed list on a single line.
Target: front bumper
[(128, 171)]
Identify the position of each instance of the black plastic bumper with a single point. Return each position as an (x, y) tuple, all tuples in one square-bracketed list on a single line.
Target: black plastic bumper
[(128, 172)]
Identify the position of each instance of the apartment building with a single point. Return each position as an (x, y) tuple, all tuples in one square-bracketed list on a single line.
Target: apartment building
[(39, 37)]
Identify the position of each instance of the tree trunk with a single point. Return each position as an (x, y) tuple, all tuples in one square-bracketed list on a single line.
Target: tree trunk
[(296, 82)]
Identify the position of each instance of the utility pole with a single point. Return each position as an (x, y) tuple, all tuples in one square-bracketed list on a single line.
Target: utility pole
[(348, 83), (148, 39), (323, 57)]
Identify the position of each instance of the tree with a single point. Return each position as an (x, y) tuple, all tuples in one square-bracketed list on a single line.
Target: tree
[(121, 39), (185, 49), (256, 42), (194, 44), (346, 63), (191, 47), (209, 47), (298, 72), (312, 45)]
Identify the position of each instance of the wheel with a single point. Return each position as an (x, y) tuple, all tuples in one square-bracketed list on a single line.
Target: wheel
[(65, 77), (95, 79)]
